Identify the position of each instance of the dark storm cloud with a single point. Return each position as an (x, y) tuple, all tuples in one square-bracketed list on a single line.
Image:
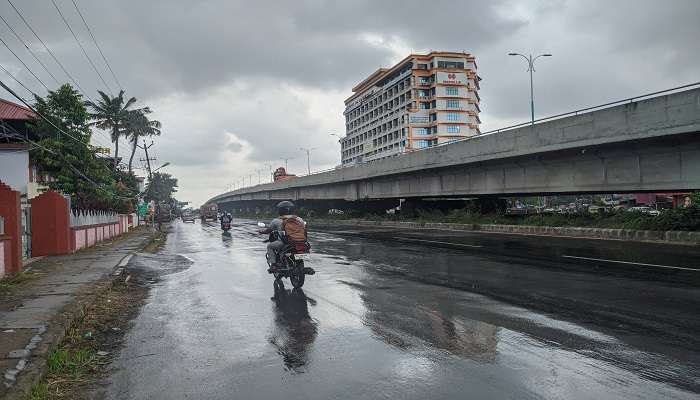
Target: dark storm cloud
[(162, 46), (259, 79)]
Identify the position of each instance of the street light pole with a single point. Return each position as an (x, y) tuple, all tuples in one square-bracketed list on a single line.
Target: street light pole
[(271, 176), (308, 158), (531, 68)]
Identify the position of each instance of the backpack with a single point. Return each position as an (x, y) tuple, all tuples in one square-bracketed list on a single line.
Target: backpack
[(294, 229)]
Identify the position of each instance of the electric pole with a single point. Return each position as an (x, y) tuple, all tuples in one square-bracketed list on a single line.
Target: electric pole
[(150, 180)]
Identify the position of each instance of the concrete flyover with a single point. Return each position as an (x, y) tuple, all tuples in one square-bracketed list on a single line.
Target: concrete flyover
[(640, 146)]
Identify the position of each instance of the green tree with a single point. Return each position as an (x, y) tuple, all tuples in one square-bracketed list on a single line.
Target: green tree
[(68, 158), (138, 126), (111, 113), (161, 188)]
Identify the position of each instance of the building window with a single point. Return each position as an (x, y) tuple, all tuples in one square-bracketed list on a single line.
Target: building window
[(452, 91), (450, 64), (423, 93), (424, 106), (422, 66), (452, 116), (453, 129), (424, 80), (421, 144), (421, 131), (452, 103)]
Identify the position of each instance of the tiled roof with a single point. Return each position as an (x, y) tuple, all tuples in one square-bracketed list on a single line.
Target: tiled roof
[(13, 111)]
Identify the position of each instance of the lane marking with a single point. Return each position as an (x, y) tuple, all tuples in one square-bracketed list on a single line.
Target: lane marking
[(632, 263), (439, 242)]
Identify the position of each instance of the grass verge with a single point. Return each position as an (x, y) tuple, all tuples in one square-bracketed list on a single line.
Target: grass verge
[(157, 242), (11, 283), (95, 336)]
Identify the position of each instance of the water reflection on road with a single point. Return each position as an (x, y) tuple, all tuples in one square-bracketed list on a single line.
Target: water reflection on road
[(389, 319)]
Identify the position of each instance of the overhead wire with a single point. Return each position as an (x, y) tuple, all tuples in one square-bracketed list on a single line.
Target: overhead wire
[(48, 50), (65, 21), (72, 167), (17, 80), (97, 45), (125, 143), (29, 49), (23, 63), (20, 98)]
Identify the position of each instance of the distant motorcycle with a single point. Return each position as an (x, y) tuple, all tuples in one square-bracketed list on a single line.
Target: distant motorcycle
[(225, 226), (292, 257)]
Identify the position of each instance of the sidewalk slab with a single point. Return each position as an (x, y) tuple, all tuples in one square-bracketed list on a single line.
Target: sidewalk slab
[(35, 316)]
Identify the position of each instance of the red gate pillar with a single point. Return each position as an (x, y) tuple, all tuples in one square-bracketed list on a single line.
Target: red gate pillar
[(11, 211), (50, 225)]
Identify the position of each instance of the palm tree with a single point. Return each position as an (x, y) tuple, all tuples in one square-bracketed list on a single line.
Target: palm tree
[(137, 126), (110, 113)]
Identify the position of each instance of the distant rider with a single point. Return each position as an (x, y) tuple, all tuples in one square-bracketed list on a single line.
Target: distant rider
[(285, 210), (227, 217)]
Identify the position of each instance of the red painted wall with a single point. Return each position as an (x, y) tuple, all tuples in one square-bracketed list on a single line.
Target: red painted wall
[(11, 211), (50, 225)]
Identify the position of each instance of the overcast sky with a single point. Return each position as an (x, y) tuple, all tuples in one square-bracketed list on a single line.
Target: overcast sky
[(239, 85)]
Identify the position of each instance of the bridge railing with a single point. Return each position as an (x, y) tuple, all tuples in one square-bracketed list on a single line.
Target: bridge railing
[(539, 120)]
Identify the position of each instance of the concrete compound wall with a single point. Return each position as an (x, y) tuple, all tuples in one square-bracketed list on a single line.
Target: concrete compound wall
[(11, 240), (53, 235), (649, 145), (87, 236), (4, 254)]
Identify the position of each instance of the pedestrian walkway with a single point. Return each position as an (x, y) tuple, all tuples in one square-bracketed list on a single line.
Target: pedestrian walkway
[(35, 315)]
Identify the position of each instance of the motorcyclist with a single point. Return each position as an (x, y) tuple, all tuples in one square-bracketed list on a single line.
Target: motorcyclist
[(226, 217), (285, 210)]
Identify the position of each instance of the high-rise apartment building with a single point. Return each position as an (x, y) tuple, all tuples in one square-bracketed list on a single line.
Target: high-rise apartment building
[(423, 101)]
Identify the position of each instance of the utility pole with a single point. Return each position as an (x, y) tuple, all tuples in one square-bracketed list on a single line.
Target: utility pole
[(150, 180)]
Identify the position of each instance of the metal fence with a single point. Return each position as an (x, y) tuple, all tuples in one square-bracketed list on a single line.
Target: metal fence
[(2, 226), (90, 217)]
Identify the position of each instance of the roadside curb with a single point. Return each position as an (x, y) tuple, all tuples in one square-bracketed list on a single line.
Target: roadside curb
[(674, 237), (49, 337)]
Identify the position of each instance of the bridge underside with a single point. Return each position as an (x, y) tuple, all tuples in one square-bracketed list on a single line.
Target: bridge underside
[(665, 164)]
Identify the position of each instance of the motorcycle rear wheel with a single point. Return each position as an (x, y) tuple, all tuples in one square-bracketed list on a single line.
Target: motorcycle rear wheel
[(297, 275)]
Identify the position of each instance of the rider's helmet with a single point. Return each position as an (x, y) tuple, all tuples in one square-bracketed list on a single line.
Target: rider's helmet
[(285, 207)]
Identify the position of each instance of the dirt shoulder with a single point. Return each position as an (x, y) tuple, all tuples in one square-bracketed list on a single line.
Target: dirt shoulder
[(44, 310), (76, 367)]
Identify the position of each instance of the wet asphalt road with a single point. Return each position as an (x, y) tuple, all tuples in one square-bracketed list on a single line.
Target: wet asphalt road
[(414, 315)]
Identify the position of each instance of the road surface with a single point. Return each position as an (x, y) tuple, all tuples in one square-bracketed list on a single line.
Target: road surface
[(414, 315)]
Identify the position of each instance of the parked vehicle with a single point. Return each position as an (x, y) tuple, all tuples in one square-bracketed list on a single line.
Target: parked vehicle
[(164, 213), (291, 257), (644, 210)]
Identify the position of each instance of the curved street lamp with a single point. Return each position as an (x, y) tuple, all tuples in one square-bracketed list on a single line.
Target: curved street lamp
[(531, 68)]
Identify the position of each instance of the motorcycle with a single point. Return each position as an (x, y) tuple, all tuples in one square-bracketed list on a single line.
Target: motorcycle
[(225, 226), (291, 259)]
